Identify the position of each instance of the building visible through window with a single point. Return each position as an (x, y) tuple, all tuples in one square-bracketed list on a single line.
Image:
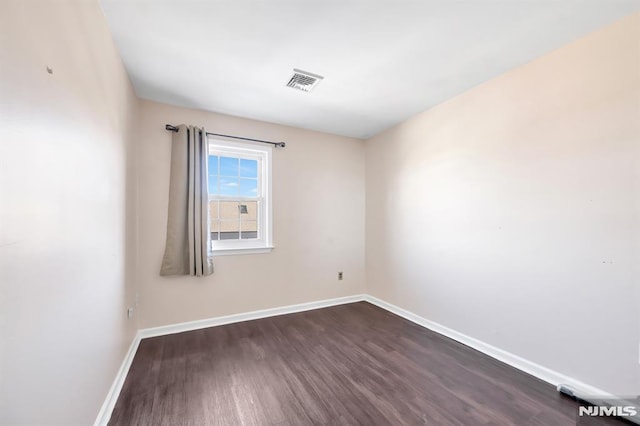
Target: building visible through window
[(239, 198)]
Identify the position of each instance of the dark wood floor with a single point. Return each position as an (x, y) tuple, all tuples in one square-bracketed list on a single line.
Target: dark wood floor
[(353, 364)]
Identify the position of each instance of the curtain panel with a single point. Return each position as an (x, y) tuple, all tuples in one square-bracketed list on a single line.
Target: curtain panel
[(188, 246)]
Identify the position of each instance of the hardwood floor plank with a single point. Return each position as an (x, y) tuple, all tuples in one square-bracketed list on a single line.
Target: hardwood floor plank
[(352, 364)]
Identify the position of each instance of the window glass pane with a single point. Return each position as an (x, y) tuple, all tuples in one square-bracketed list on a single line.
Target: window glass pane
[(228, 186), (229, 229), (213, 165), (213, 184), (229, 166), (236, 208), (213, 211), (214, 225), (252, 210), (214, 228), (230, 226), (229, 235), (248, 168), (249, 229), (229, 210), (249, 187)]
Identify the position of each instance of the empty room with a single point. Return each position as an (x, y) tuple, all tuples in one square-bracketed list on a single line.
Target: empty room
[(247, 212)]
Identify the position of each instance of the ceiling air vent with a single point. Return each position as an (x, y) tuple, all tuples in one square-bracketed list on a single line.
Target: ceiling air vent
[(303, 80)]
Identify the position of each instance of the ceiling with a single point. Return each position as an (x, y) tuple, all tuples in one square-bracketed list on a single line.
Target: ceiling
[(382, 60)]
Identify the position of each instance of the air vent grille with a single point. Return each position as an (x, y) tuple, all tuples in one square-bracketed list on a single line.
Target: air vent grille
[(303, 80)]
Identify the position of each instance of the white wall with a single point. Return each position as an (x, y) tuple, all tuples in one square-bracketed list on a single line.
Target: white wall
[(511, 213), (66, 206), (318, 210)]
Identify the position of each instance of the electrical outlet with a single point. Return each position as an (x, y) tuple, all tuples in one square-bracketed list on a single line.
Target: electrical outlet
[(340, 276), (130, 312), (137, 300)]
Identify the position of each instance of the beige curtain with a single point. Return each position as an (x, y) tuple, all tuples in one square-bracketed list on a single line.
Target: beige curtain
[(187, 251)]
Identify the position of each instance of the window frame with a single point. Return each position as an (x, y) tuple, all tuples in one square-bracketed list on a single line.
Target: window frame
[(263, 244)]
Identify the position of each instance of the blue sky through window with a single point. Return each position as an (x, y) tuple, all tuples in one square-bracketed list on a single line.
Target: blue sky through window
[(229, 166), (248, 187), (228, 186), (213, 165), (248, 168), (213, 184), (233, 176)]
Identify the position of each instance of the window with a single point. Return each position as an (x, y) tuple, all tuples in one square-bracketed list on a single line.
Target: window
[(239, 197)]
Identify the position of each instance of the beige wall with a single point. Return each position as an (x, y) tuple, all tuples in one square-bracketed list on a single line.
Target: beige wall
[(510, 213), (312, 242), (66, 206)]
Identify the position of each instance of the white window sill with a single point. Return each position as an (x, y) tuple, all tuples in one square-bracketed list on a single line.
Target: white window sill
[(244, 250)]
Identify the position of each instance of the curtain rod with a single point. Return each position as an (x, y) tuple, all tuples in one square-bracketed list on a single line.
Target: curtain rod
[(276, 144)]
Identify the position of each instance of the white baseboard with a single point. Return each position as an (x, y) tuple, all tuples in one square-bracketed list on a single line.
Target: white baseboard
[(229, 319), (107, 407), (546, 374), (114, 392)]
